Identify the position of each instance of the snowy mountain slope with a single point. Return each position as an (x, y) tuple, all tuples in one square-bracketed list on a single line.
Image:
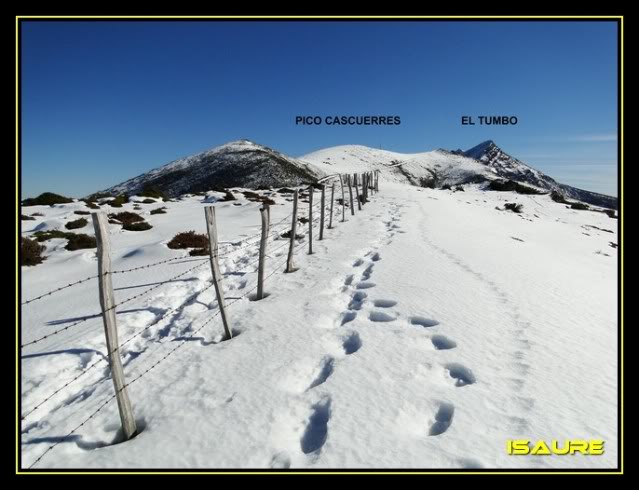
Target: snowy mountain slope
[(236, 164), (506, 166), (246, 164), (503, 165), (439, 167), (400, 343), (483, 162)]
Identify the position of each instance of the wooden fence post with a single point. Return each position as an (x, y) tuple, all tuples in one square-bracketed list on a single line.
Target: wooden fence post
[(377, 181), (265, 214), (310, 219), (341, 182), (322, 212), (359, 202), (350, 193), (211, 227), (289, 262), (330, 219), (107, 302), (365, 188)]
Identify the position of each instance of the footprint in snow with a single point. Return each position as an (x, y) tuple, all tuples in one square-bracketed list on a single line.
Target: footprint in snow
[(316, 431), (423, 321), (351, 343), (357, 300), (443, 419), (366, 275), (381, 316), (384, 303), (365, 285), (461, 374), (441, 342)]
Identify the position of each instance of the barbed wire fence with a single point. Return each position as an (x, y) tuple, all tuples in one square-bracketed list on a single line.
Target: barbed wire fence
[(279, 231)]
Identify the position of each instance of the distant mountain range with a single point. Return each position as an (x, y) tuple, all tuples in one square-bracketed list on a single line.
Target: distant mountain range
[(247, 164)]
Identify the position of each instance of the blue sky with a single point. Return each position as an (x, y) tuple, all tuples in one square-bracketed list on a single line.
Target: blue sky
[(105, 101)]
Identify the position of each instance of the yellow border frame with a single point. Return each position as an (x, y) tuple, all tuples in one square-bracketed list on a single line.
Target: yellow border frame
[(325, 17)]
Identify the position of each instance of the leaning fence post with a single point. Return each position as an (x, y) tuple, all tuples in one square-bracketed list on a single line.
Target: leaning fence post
[(365, 188), (291, 248), (310, 219), (209, 214), (330, 219), (265, 213), (107, 302), (359, 202), (322, 212), (341, 183), (350, 193)]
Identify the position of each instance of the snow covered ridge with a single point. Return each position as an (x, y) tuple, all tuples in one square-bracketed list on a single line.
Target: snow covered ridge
[(236, 164), (509, 167), (247, 164), (425, 331)]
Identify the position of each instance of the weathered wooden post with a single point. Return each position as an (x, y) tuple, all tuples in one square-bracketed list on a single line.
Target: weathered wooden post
[(341, 183), (211, 227), (364, 188), (377, 181), (330, 219), (310, 219), (350, 193), (289, 261), (359, 202), (265, 214), (107, 302), (322, 212)]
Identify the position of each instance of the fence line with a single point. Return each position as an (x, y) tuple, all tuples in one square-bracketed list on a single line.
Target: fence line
[(148, 266), (53, 291), (104, 359), (120, 271), (232, 249), (153, 366), (128, 300), (153, 323)]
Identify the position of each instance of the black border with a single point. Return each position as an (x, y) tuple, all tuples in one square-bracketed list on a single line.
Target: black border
[(390, 471)]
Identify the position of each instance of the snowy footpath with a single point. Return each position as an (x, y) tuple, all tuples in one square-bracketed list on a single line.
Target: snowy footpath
[(424, 332)]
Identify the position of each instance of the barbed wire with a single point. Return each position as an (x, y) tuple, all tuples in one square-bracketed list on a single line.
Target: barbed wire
[(120, 271), (155, 322), (145, 372), (53, 291), (84, 319), (143, 293), (172, 351), (147, 266), (73, 431), (104, 359)]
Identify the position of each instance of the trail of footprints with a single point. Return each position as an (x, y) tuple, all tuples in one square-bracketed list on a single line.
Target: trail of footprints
[(304, 428), (383, 311), (517, 357), (311, 413)]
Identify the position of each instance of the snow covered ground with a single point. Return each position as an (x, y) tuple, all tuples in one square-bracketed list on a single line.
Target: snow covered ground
[(424, 332)]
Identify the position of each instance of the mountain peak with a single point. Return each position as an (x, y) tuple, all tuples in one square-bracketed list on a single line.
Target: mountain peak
[(481, 149), (240, 163)]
